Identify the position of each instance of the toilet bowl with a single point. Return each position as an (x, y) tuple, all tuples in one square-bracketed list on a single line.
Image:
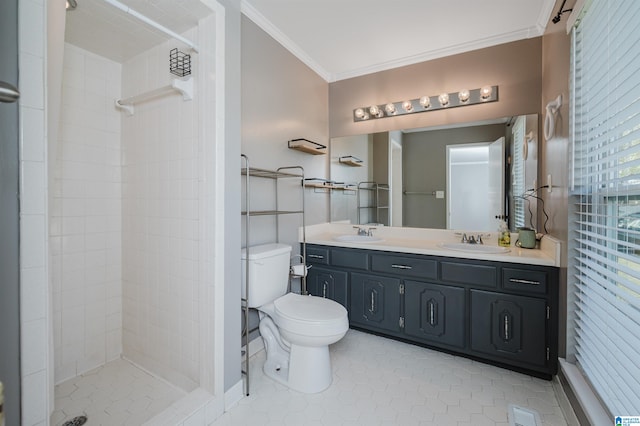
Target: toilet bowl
[(297, 330)]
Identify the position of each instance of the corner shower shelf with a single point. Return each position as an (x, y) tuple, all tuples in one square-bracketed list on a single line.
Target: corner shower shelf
[(184, 87), (307, 146)]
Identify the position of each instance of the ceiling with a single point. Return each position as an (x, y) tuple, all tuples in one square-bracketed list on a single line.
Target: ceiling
[(338, 39), (341, 39), (103, 29)]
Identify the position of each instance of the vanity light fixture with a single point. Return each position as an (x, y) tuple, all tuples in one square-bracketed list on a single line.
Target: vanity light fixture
[(427, 103)]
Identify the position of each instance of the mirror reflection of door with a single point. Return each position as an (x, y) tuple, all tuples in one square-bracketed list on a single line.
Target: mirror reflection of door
[(474, 185), (395, 166)]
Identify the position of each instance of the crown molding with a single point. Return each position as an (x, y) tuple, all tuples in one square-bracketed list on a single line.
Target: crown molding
[(267, 26), (545, 13), (441, 53), (537, 30)]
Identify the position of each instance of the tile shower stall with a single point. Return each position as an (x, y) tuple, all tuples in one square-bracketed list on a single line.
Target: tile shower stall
[(130, 241)]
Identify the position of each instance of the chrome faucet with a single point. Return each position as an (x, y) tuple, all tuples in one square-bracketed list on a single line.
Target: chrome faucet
[(471, 239), (365, 231)]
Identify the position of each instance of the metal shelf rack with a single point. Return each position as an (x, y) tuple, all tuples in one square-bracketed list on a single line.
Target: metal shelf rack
[(288, 172), (373, 203)]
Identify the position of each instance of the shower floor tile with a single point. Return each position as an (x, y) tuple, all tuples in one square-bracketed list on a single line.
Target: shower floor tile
[(116, 393), (379, 381)]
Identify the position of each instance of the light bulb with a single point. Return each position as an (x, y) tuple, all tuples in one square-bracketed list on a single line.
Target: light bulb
[(374, 110), (485, 92), (359, 113), (463, 95), (425, 102), (444, 99), (407, 105), (390, 108)]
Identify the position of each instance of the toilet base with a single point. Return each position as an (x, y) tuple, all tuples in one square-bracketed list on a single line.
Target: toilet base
[(308, 369), (305, 369)]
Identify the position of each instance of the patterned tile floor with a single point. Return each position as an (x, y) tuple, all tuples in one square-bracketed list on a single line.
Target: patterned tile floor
[(378, 381), (118, 393)]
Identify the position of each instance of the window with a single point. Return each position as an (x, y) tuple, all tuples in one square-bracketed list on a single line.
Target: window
[(605, 270)]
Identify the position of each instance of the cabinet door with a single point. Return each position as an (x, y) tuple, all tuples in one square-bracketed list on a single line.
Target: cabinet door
[(435, 313), (375, 302), (328, 284), (508, 326)]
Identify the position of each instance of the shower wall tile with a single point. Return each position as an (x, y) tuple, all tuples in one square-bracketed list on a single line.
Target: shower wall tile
[(85, 216), (161, 219)]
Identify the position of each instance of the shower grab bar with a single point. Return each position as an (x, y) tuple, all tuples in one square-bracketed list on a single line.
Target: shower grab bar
[(152, 23), (185, 87)]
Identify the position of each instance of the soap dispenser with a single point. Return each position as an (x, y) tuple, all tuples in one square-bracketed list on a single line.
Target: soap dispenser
[(504, 239)]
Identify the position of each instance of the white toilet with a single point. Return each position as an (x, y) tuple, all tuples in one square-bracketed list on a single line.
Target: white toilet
[(297, 330)]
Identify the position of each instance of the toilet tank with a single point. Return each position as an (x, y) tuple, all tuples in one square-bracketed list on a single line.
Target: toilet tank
[(268, 272)]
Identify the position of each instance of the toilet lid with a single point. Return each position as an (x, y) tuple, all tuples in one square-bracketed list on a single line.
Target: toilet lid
[(310, 314)]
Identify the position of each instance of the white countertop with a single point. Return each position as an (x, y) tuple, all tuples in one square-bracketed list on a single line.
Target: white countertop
[(426, 241)]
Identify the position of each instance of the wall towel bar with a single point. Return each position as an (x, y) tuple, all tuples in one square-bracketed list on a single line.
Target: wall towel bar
[(419, 193), (185, 87)]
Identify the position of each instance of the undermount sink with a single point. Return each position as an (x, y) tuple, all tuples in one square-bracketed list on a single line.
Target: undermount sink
[(357, 238), (474, 248)]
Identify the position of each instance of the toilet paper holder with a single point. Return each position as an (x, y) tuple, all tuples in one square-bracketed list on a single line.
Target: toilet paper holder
[(298, 269)]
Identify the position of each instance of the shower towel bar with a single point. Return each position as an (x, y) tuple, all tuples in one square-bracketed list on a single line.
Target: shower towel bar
[(185, 87)]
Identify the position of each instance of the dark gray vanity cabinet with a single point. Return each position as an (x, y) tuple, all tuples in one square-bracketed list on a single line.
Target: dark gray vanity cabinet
[(375, 303), (435, 313), (328, 283), (509, 326), (499, 312)]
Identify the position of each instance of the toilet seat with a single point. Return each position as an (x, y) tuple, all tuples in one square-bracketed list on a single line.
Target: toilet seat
[(310, 315)]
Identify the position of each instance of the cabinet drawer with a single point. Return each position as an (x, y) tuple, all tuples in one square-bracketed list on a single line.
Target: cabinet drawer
[(467, 273), (404, 266), (318, 255), (350, 259), (524, 280)]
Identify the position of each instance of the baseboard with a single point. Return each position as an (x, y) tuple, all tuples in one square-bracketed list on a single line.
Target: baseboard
[(587, 406), (565, 403), (233, 395), (255, 346)]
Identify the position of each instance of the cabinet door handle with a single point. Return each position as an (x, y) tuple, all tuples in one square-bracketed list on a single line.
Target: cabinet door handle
[(506, 327), (522, 281), (372, 308), (315, 256), (400, 266), (432, 316), (324, 290)]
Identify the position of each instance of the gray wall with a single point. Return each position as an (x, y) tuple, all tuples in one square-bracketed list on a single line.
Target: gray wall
[(9, 221), (425, 169), (515, 67), (282, 99), (555, 154)]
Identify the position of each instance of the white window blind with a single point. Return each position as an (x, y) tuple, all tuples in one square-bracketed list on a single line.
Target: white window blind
[(517, 172), (605, 269)]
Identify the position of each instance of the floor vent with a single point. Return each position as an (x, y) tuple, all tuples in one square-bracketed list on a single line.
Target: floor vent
[(519, 416), (76, 421)]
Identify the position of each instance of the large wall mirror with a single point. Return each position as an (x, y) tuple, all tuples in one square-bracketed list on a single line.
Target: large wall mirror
[(465, 176)]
